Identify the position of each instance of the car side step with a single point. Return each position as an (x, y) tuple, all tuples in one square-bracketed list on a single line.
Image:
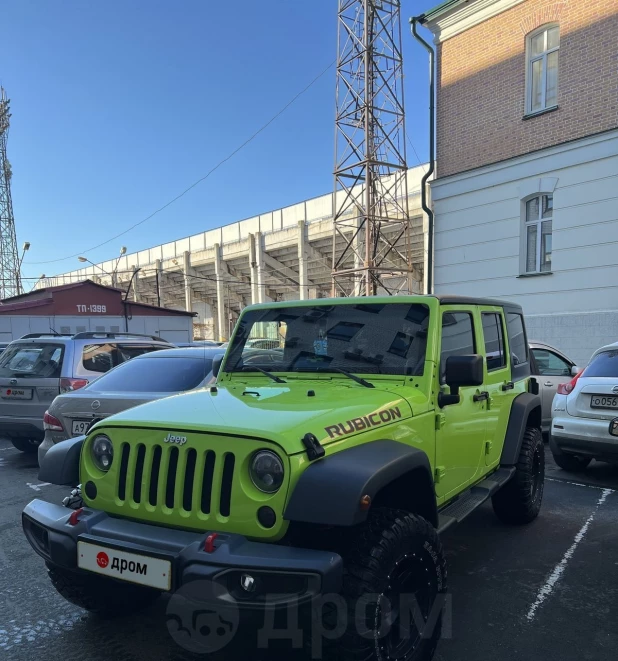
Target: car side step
[(458, 510)]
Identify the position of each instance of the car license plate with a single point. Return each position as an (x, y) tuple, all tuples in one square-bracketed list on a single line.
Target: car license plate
[(16, 393), (79, 427), (132, 567), (604, 402)]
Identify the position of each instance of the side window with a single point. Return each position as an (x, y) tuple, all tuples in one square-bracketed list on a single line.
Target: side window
[(550, 364), (494, 340), (517, 338), (102, 357), (98, 357), (457, 337)]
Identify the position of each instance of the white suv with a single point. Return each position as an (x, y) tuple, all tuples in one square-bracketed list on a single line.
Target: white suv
[(585, 414)]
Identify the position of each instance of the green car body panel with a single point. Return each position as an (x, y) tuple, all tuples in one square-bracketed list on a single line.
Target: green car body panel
[(223, 427)]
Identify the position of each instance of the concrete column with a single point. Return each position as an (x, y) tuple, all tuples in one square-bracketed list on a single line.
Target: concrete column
[(259, 258), (219, 274), (158, 282), (187, 274), (302, 261), (253, 265)]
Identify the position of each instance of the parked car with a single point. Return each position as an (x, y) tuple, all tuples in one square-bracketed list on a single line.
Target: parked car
[(262, 343), (553, 369), (199, 343), (148, 377), (37, 367), (585, 414)]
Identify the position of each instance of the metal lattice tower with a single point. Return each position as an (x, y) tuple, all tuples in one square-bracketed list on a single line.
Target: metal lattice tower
[(10, 280), (371, 236)]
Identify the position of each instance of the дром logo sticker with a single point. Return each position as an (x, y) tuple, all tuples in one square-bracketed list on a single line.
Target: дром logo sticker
[(199, 619), (102, 559)]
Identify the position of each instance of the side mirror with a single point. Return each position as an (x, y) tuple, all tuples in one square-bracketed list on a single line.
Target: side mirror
[(216, 364), (575, 370), (461, 371)]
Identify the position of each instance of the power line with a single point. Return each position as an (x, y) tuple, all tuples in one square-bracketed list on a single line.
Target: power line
[(193, 185)]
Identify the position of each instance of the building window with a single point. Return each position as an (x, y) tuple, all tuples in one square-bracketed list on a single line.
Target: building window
[(539, 213), (542, 69)]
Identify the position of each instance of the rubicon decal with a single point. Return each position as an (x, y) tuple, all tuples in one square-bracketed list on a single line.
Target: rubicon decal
[(366, 422)]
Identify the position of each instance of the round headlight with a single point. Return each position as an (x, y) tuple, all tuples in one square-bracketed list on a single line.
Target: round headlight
[(102, 452), (266, 471)]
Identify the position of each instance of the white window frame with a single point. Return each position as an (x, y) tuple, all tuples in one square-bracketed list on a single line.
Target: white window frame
[(539, 226), (530, 60)]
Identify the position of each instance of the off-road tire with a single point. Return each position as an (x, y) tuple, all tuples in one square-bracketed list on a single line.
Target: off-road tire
[(572, 463), (519, 500), (27, 445), (388, 545), (102, 596)]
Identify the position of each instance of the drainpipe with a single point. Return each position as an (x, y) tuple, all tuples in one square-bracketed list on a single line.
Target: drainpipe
[(413, 21)]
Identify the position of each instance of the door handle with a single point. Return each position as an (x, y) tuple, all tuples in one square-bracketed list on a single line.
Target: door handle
[(482, 396), (509, 385), (548, 383)]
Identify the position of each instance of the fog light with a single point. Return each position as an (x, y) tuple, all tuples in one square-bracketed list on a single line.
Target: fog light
[(91, 490), (247, 583), (267, 517)]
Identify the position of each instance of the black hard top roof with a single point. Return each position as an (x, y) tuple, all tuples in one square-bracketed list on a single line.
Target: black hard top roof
[(450, 299)]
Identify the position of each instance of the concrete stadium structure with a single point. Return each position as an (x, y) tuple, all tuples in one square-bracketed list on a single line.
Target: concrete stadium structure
[(281, 255)]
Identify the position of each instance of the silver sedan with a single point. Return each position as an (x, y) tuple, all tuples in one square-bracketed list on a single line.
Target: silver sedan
[(143, 379)]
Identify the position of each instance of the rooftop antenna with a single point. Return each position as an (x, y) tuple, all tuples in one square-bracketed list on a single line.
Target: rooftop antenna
[(371, 234), (10, 277)]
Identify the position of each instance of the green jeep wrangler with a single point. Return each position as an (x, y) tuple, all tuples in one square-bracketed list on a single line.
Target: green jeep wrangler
[(322, 468)]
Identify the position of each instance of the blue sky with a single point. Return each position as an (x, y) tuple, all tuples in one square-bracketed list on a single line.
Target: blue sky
[(120, 105)]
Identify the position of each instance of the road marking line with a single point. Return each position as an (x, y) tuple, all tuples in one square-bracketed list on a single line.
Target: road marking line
[(580, 484), (547, 589), (36, 487)]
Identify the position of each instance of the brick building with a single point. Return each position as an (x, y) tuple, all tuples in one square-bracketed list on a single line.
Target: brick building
[(526, 193), (88, 306)]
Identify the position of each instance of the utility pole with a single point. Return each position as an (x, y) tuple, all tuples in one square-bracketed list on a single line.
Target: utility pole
[(371, 233), (10, 277)]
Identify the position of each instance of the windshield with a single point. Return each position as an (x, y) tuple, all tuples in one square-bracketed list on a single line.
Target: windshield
[(155, 375), (603, 364), (362, 338), (32, 360)]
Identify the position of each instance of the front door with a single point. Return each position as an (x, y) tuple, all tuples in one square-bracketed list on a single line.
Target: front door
[(460, 435)]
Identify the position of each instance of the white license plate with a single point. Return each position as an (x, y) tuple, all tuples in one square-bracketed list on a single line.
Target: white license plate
[(79, 427), (16, 393), (604, 402), (142, 569)]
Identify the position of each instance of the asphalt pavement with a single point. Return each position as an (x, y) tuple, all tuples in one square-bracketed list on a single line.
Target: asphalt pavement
[(543, 591)]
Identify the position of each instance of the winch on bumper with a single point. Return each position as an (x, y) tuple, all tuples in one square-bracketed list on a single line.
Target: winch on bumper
[(282, 575)]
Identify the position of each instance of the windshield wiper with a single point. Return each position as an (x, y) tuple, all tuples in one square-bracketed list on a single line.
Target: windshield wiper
[(358, 379), (274, 377)]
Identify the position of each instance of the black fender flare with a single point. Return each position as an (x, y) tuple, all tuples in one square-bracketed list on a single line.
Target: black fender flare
[(329, 491), (61, 463), (524, 406)]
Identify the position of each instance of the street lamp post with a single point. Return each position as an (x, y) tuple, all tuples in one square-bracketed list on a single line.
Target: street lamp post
[(24, 250)]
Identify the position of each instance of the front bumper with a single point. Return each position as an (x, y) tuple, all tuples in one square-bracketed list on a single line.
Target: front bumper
[(585, 436), (284, 575)]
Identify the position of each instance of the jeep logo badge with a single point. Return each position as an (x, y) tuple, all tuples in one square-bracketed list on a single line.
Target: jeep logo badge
[(179, 440)]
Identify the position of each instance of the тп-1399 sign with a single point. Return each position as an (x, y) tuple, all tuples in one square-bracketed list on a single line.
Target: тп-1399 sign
[(92, 308)]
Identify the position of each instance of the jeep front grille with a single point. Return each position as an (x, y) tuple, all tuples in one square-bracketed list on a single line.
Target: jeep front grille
[(176, 478)]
